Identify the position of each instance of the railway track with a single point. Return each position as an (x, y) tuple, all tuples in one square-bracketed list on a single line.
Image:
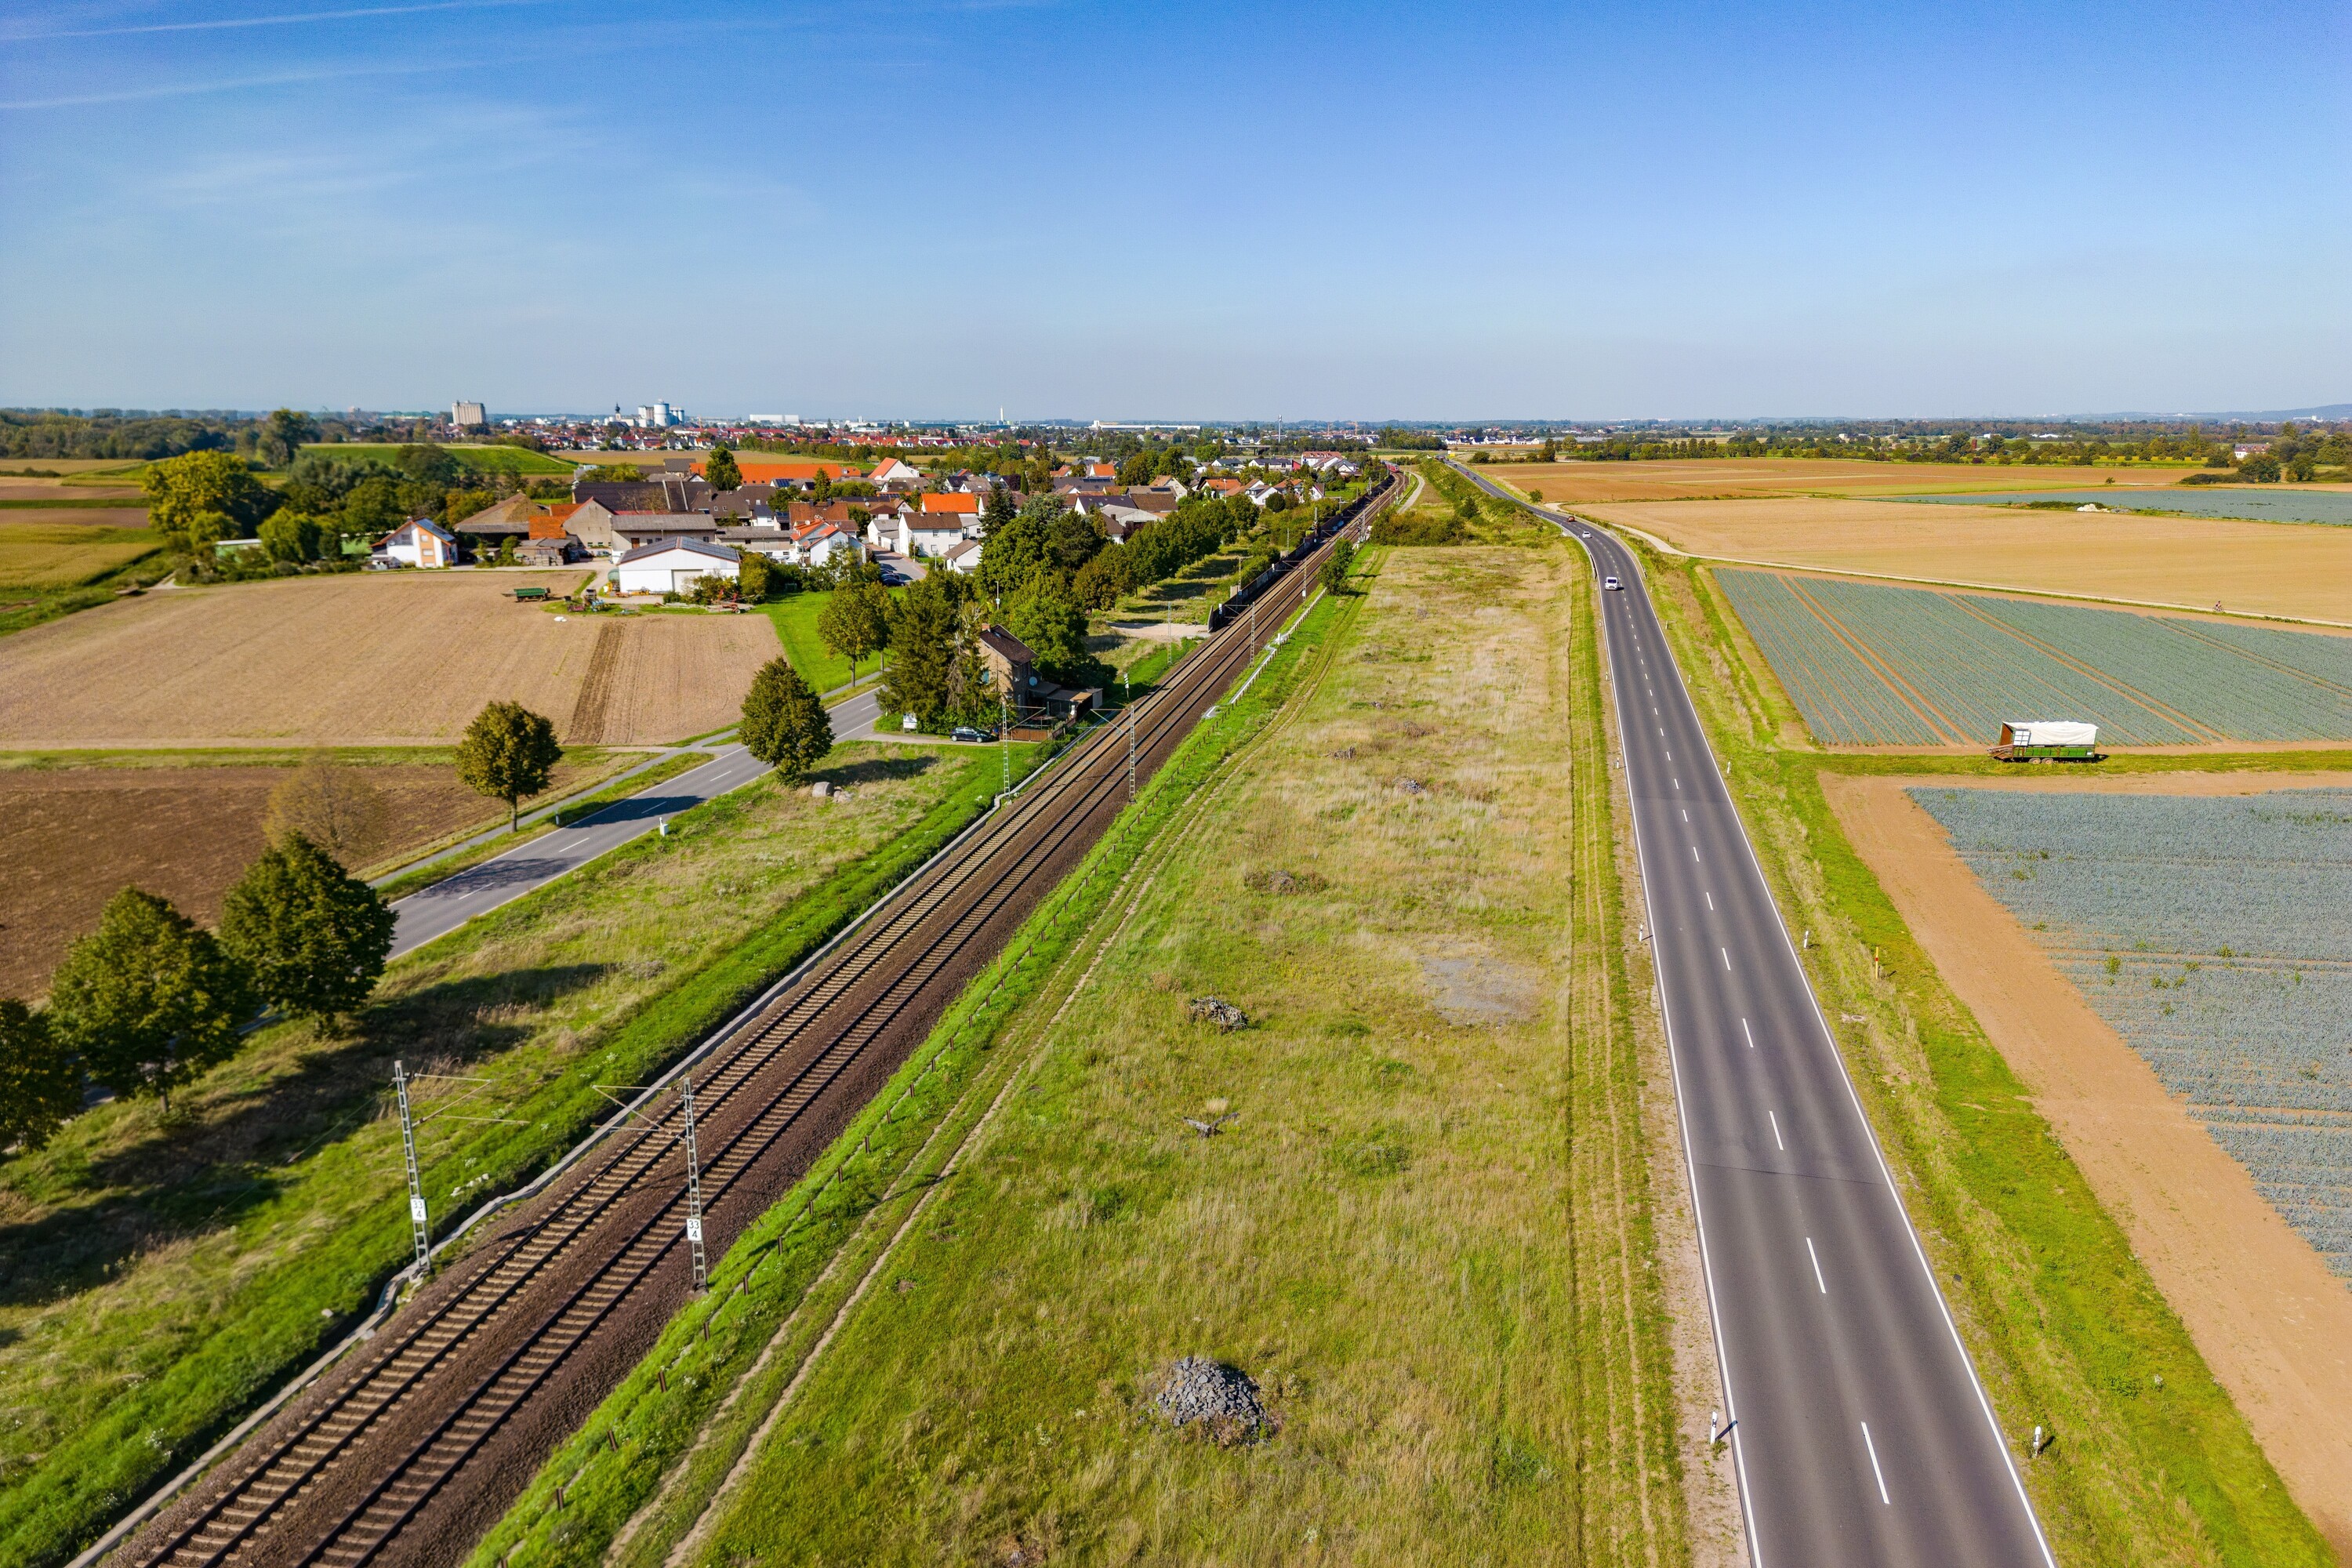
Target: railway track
[(406, 1452)]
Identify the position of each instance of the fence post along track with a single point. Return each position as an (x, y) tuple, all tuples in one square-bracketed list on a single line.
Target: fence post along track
[(475, 1377)]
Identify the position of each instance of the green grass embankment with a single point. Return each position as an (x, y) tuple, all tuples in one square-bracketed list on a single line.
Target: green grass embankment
[(2066, 1327), (164, 1277), (1445, 1294)]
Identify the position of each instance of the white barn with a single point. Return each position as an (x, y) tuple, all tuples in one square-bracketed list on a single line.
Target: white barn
[(673, 566)]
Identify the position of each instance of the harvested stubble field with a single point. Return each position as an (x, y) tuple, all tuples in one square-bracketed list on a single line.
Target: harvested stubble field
[(2296, 572), (1871, 665), (161, 1276), (2173, 911), (1453, 1310), (70, 837), (1576, 484), (390, 659)]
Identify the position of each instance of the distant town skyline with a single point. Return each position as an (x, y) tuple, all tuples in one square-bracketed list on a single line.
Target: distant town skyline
[(1215, 211)]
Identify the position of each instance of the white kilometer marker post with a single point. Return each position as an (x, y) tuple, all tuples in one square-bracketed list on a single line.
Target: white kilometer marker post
[(1784, 1149), (1874, 1471), (1817, 1265)]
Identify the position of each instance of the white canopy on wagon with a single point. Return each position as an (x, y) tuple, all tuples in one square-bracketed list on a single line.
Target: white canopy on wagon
[(2049, 732)]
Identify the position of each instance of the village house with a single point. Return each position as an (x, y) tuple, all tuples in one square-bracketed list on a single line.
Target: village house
[(892, 472), (591, 522), (929, 534), (674, 566), (954, 503), (964, 557), (1013, 670), (418, 542)]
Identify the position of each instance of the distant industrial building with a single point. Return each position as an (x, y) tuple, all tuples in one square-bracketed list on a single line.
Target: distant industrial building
[(466, 415)]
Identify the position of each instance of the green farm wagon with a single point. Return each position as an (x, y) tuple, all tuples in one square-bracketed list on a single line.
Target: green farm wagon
[(2047, 741)]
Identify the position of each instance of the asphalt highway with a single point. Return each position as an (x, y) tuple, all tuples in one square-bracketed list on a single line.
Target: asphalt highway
[(1860, 1433), (446, 905)]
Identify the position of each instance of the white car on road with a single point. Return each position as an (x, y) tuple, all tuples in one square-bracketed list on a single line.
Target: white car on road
[(1610, 582)]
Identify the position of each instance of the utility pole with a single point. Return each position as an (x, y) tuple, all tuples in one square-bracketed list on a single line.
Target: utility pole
[(1130, 755), (693, 1185), (1004, 735), (408, 1153)]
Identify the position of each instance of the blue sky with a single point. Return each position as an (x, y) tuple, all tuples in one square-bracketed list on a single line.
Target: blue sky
[(1246, 211)]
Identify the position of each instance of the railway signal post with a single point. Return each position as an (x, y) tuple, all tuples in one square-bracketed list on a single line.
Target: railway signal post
[(693, 1187), (408, 1154)]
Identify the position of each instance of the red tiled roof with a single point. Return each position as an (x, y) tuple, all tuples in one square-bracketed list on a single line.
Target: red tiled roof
[(954, 501)]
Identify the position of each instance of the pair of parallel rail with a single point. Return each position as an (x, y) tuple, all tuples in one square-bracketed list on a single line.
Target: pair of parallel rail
[(452, 1371)]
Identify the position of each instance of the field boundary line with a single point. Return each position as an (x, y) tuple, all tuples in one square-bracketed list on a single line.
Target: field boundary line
[(2188, 629), (1877, 664), (2121, 688)]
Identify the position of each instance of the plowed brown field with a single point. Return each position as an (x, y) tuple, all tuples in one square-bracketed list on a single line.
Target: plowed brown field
[(2303, 570), (69, 839), (1574, 484), (398, 659)]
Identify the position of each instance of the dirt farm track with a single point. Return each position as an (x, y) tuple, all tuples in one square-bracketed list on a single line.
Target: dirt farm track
[(401, 659)]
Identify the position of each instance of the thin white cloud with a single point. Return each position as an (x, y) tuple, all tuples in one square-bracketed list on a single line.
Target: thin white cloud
[(232, 84), (288, 19)]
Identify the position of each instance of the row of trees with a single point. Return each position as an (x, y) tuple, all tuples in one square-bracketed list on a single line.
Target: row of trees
[(149, 1000), (197, 500)]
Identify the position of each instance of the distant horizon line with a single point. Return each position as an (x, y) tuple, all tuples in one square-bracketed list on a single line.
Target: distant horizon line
[(2332, 411)]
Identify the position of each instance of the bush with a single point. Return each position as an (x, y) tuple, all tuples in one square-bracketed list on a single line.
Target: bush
[(1393, 530)]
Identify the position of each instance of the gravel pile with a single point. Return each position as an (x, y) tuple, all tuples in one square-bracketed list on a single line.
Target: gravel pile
[(1197, 1389), (1223, 1014)]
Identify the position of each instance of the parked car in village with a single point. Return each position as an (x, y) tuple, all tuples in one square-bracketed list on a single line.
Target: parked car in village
[(967, 732)]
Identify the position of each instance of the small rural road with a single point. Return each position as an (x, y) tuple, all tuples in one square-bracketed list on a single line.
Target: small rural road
[(446, 905), (1860, 1434)]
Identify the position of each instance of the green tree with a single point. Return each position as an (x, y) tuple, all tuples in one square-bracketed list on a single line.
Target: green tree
[(429, 464), (722, 469), (39, 1084), (372, 507), (312, 937), (785, 725), (459, 505), (181, 490), (926, 635), (148, 1000), (1052, 624), (999, 509), (756, 580), (854, 622), (283, 434), (1334, 575), (292, 536), (1104, 581), (508, 753)]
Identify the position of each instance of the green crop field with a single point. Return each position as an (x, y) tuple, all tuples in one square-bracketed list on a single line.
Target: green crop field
[(43, 557), (2211, 934), (1870, 665), (163, 1275), (519, 460)]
